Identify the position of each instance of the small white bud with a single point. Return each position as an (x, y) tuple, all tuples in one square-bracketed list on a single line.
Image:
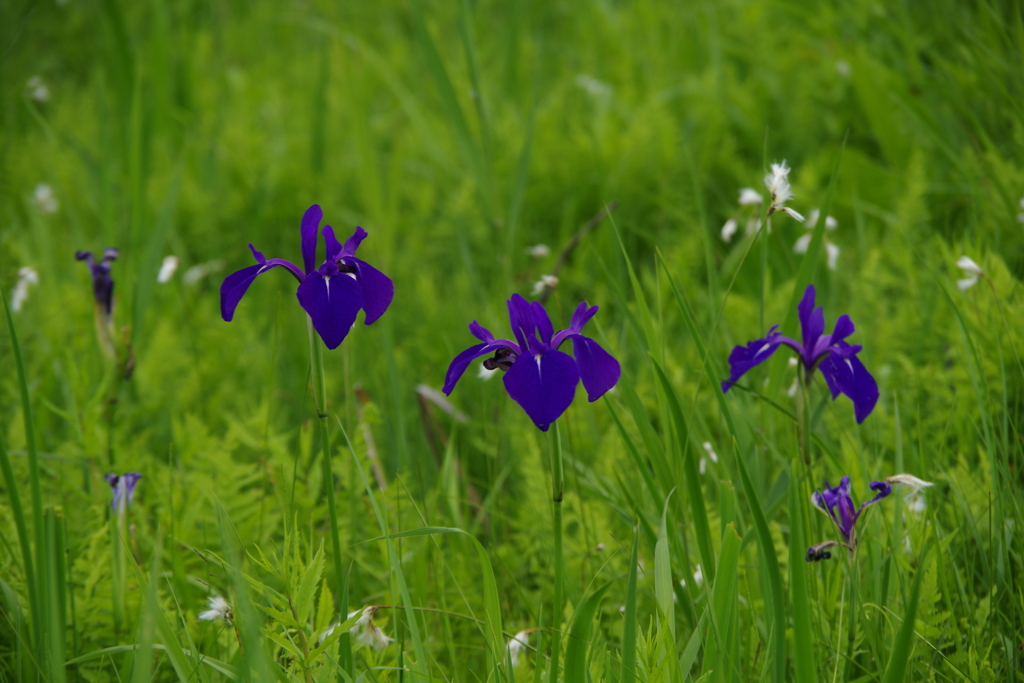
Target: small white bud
[(729, 229)]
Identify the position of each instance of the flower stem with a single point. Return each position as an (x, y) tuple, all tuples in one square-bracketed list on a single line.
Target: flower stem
[(851, 635), (557, 486), (316, 353)]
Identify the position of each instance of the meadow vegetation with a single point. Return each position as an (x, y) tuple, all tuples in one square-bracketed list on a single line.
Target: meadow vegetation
[(460, 135)]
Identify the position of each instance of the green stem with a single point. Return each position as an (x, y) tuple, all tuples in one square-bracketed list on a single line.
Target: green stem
[(316, 352), (557, 488), (851, 635)]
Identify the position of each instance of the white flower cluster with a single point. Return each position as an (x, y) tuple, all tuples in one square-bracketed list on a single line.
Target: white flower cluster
[(972, 271), (27, 277), (219, 609), (777, 182), (804, 242)]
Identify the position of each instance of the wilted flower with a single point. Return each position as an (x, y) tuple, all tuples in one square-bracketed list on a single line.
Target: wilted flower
[(27, 277), (538, 251), (45, 200), (332, 294), (366, 632), (830, 353), (123, 486), (831, 250), (545, 282), (219, 609), (102, 283), (971, 269), (539, 377), (518, 643), (838, 505), (167, 269), (777, 182), (37, 89), (910, 481)]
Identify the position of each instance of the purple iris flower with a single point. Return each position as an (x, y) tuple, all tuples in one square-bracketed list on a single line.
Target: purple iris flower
[(123, 486), (539, 377), (102, 283), (331, 294), (830, 353), (838, 504)]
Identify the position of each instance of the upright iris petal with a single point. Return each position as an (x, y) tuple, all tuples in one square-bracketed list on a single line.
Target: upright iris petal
[(829, 353), (539, 377), (333, 293)]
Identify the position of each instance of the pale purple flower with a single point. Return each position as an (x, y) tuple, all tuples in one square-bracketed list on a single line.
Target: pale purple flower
[(123, 486), (837, 503)]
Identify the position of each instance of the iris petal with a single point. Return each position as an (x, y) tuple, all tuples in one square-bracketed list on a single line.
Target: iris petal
[(743, 358), (850, 377), (310, 224), (378, 289), (234, 288), (599, 371), (543, 385), (461, 362), (332, 304)]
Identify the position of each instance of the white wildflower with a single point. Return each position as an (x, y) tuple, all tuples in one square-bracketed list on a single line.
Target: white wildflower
[(971, 269), (200, 271), (916, 503), (749, 196), (832, 251), (538, 251), (518, 643), (812, 220), (37, 89), (219, 609), (698, 578), (710, 450), (167, 268), (545, 282), (729, 229), (45, 200), (27, 277), (366, 632), (777, 182)]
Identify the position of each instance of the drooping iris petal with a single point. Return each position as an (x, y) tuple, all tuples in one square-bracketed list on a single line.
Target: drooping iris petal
[(461, 362), (844, 328), (378, 289), (310, 227), (882, 490), (849, 376), (599, 371), (234, 288), (543, 385), (332, 303), (743, 358)]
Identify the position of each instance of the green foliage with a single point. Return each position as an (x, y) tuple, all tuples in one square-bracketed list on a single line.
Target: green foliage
[(460, 135)]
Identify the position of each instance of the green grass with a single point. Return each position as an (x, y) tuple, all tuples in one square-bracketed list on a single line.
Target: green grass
[(459, 135)]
